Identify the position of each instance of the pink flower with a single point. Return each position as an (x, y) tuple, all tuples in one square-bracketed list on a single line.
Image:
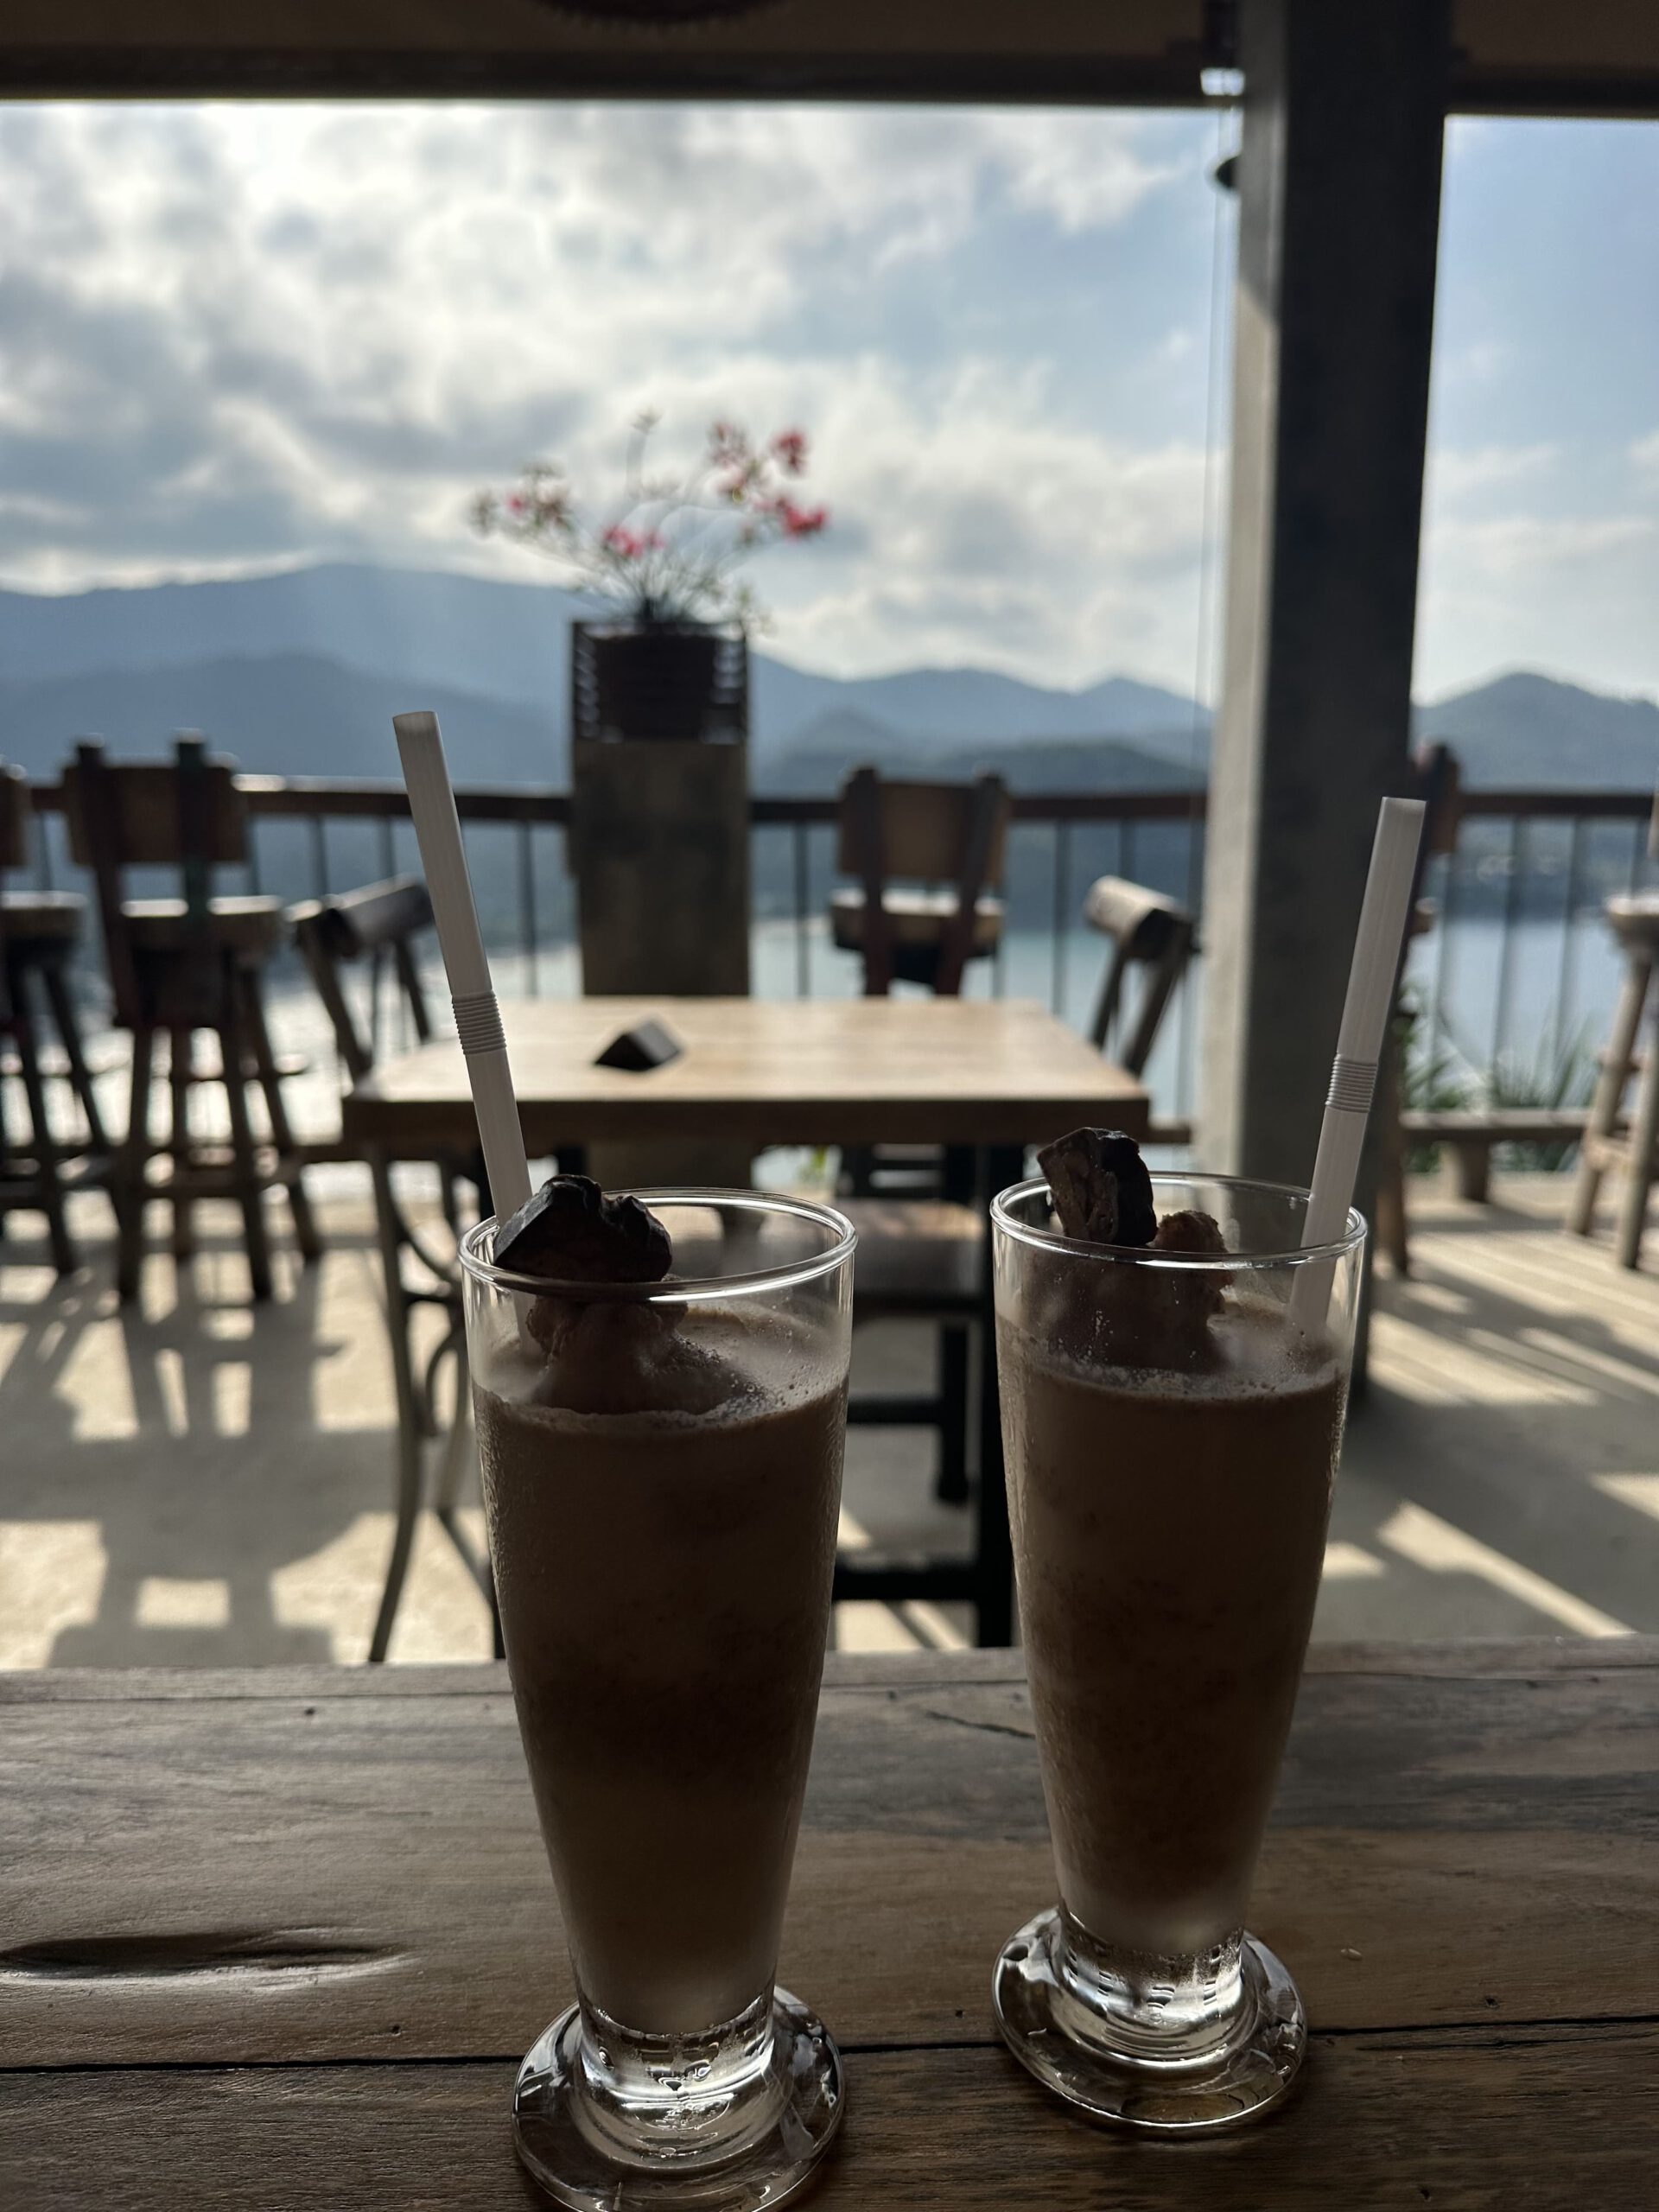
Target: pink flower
[(623, 543), (801, 521), (789, 447), (515, 504)]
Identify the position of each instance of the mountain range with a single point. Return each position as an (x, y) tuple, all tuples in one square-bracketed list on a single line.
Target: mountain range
[(298, 674)]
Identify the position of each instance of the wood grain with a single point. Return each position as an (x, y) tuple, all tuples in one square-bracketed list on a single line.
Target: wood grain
[(806, 1072), (340, 1864), (1482, 2120)]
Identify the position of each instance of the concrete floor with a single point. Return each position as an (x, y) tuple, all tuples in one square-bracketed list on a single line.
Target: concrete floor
[(199, 1483)]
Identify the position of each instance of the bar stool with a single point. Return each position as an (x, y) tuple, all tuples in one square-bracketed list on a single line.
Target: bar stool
[(1635, 924), (39, 933), (178, 965)]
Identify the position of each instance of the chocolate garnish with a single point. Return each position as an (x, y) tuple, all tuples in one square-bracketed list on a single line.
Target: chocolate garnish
[(1100, 1189), (569, 1231), (1189, 1231), (1192, 1296)]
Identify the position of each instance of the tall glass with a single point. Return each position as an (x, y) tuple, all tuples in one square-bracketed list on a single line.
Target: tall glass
[(1173, 1425), (662, 1532)]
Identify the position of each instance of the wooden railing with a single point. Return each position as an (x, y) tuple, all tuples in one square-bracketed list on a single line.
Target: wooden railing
[(1524, 857)]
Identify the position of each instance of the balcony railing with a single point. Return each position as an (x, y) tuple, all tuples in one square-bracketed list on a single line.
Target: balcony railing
[(1515, 974)]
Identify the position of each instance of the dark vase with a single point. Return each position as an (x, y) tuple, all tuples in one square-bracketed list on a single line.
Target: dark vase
[(687, 683)]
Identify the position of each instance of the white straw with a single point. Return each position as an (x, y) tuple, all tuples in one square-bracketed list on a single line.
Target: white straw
[(1366, 1013), (478, 1018)]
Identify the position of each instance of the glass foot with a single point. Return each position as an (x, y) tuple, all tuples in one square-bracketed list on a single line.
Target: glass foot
[(1049, 2007), (609, 2122)]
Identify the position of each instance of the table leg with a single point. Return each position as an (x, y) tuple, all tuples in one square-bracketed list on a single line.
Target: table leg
[(1638, 1159), (993, 1562), (410, 1426)]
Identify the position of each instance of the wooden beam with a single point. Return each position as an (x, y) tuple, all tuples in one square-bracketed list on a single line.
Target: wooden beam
[(1069, 51)]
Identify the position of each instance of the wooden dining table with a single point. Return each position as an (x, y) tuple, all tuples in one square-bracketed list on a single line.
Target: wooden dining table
[(989, 1075), (277, 1939), (984, 1072)]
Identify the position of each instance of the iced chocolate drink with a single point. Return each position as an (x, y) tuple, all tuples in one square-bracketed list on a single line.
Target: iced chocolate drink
[(1172, 1439), (660, 1438)]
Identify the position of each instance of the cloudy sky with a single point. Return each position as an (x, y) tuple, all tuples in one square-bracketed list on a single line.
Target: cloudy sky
[(236, 338)]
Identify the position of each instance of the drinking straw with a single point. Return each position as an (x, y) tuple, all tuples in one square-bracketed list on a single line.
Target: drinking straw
[(1365, 1012), (478, 1018)]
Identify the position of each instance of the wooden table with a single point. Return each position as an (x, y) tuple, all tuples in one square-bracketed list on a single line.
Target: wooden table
[(995, 1075), (807, 1071), (277, 1939)]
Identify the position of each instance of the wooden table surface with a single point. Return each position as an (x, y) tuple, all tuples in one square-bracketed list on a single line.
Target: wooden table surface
[(276, 1939), (808, 1072)]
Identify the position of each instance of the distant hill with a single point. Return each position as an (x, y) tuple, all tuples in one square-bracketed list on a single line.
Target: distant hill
[(280, 714), (1534, 730), (829, 749), (299, 674), (418, 632), (501, 640)]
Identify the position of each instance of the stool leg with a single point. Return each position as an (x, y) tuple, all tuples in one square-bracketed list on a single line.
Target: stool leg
[(951, 1486), (47, 1167), (5, 1157), (1638, 1169), (409, 1425), (305, 1227), (1610, 1092), (1393, 1229), (130, 1175), (245, 1172), (80, 1077), (179, 1072)]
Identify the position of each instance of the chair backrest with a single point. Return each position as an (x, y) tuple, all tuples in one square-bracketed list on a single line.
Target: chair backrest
[(924, 832), (15, 812), (897, 830), (1148, 929), (376, 924), (176, 813), (1437, 780), (187, 813)]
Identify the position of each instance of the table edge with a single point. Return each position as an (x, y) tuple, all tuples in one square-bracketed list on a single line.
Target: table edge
[(1471, 1659)]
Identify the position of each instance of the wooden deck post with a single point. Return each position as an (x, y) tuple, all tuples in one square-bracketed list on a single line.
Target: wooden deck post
[(1340, 180)]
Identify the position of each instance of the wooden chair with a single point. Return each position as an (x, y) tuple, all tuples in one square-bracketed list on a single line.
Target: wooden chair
[(364, 934), (39, 933), (919, 1257), (1635, 923), (1150, 931), (179, 965), (928, 858)]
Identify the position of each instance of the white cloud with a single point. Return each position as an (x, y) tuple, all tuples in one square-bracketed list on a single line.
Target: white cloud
[(1455, 474), (242, 334), (1515, 546)]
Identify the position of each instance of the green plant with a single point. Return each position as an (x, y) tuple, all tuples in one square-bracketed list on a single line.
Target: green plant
[(1561, 1073), (1435, 1077)]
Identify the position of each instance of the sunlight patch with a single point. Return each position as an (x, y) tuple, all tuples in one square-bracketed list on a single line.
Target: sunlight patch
[(166, 1602), (1427, 1542)]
